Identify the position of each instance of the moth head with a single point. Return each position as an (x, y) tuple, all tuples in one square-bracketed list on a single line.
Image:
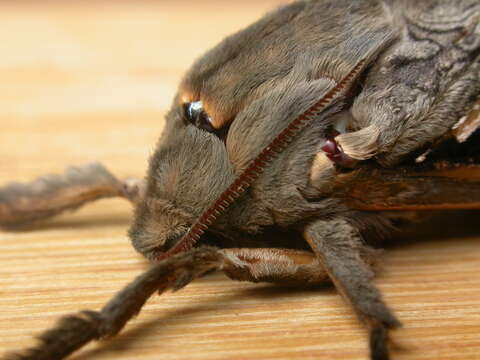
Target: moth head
[(186, 173), (243, 67)]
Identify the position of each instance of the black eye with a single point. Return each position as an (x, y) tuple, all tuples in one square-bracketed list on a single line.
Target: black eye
[(195, 114)]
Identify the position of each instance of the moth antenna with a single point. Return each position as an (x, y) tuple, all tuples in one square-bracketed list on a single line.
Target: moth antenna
[(258, 165)]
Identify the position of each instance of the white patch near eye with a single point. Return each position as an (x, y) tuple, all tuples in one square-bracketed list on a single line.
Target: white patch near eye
[(196, 106), (196, 115)]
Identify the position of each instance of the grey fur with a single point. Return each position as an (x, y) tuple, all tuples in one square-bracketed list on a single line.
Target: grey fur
[(419, 79), (425, 81)]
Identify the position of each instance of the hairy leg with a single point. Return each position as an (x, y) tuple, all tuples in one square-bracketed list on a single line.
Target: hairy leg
[(340, 250), (418, 88), (23, 204), (280, 266), (274, 265)]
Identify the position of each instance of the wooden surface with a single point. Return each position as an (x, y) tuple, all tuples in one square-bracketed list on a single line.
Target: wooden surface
[(92, 82)]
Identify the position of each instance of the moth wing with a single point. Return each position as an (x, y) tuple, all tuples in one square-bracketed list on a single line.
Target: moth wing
[(444, 185)]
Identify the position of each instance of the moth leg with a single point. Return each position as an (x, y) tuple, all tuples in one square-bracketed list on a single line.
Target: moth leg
[(74, 331), (280, 266), (23, 204), (439, 123), (389, 139), (274, 265), (411, 99), (341, 252)]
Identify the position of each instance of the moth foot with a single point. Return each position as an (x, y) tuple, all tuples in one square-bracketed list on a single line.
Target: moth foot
[(379, 341)]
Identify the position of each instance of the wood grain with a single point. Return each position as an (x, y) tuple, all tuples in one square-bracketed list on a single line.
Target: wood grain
[(90, 81)]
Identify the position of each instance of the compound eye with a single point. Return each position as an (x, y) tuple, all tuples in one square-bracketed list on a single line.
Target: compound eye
[(195, 115)]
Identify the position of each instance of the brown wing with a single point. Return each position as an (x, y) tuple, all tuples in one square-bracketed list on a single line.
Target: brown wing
[(449, 187), (449, 179)]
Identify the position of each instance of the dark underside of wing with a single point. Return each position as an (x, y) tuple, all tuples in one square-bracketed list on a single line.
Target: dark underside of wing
[(448, 178)]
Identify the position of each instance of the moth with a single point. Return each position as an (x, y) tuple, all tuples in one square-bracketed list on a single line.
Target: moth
[(288, 148)]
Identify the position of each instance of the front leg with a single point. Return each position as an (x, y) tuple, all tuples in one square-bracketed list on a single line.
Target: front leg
[(279, 266), (300, 268), (341, 252), (24, 204)]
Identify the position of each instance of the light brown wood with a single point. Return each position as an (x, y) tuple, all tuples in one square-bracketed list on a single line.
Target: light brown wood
[(90, 81)]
